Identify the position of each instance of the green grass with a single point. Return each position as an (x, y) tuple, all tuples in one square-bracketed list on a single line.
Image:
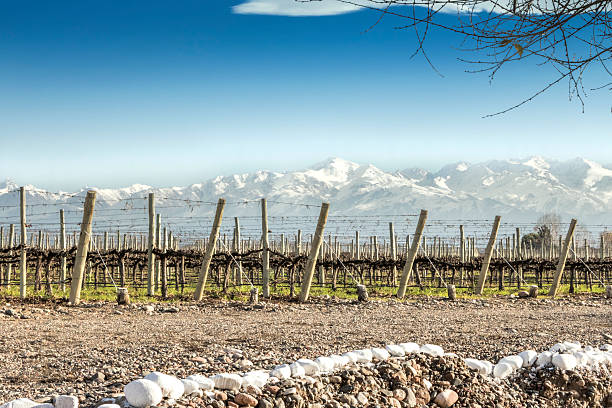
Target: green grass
[(108, 294)]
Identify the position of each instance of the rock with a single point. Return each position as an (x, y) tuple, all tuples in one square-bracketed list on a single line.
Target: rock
[(476, 365), (227, 381), (502, 370), (45, 405), (264, 403), (190, 386), (245, 399), (66, 401), (309, 366), (20, 403), (363, 356), (255, 378), (149, 308), (326, 364), (410, 399), (446, 398), (394, 403), (143, 393), (380, 354), (171, 386), (533, 291), (564, 361), (529, 357), (515, 361), (422, 396), (395, 350), (362, 398), (523, 294), (204, 383), (297, 370), (282, 372), (362, 293), (544, 358), (109, 406), (432, 349), (410, 347)]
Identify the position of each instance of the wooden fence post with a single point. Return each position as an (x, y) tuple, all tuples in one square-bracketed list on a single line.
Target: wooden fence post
[(562, 259), (416, 241), (265, 256), (81, 255), (63, 248), (393, 253), (23, 264), (210, 249), (487, 256), (314, 252), (11, 242), (150, 254)]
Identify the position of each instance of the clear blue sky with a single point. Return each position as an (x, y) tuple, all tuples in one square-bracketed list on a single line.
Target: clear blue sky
[(110, 93)]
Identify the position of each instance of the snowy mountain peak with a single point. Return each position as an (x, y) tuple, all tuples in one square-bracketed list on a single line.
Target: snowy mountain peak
[(519, 190)]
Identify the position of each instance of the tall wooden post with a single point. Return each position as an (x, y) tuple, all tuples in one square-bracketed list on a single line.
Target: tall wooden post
[(164, 267), (23, 264), (238, 249), (393, 249), (314, 253), (414, 249), (487, 256), (81, 255), (157, 245), (562, 259), (62, 248), (210, 249), (150, 254), (265, 256), (11, 243)]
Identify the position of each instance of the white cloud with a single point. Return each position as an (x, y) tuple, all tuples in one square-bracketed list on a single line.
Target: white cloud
[(294, 8)]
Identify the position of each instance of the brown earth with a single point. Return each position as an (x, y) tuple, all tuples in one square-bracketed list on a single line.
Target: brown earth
[(94, 349)]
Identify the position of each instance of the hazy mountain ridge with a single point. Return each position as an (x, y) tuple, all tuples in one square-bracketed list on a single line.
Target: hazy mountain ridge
[(519, 190)]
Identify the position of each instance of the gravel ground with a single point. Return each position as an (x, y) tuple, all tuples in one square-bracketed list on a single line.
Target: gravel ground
[(93, 350)]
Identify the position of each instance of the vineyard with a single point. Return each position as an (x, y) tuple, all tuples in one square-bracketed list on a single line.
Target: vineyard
[(139, 248)]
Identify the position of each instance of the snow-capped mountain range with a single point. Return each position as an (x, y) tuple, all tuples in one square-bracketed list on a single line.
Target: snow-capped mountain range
[(518, 190)]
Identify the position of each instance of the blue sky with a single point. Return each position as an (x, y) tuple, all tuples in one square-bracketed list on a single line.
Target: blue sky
[(171, 93)]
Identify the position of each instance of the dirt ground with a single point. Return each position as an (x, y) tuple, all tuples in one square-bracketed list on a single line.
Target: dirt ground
[(94, 349)]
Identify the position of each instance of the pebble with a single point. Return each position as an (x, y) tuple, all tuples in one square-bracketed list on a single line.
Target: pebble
[(446, 398), (142, 393)]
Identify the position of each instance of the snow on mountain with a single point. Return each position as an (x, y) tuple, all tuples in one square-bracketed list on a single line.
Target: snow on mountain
[(519, 190)]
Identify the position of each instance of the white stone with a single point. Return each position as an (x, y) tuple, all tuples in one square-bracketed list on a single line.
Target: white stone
[(515, 361), (326, 364), (380, 353), (450, 355), (108, 406), (171, 386), (572, 346), (502, 370), (204, 383), (309, 366), (282, 372), (66, 401), (297, 371), (426, 383), (226, 381), (351, 356), (431, 349), (143, 393), (257, 378), (564, 361), (558, 348), (45, 405), (364, 356), (488, 365), (544, 358), (339, 361), (410, 347), (476, 365), (582, 359), (395, 350), (190, 386), (529, 357), (20, 403)]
